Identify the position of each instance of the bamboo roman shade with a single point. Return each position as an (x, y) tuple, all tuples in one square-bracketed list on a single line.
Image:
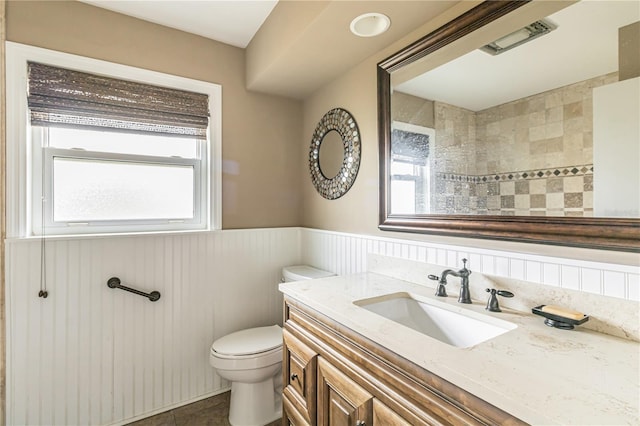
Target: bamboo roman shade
[(68, 98), (412, 147)]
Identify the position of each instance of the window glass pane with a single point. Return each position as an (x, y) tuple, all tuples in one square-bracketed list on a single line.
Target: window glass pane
[(402, 168), (403, 197), (91, 190), (123, 143)]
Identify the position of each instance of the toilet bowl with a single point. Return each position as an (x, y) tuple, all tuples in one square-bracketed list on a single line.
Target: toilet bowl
[(251, 360)]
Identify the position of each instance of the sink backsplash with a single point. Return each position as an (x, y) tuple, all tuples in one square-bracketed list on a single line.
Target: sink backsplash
[(609, 315)]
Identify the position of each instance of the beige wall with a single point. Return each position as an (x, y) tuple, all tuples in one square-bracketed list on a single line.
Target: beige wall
[(412, 109), (357, 211), (2, 214), (355, 91), (260, 134), (628, 47)]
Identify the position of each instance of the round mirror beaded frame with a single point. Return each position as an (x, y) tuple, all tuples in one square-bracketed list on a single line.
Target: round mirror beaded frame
[(342, 122)]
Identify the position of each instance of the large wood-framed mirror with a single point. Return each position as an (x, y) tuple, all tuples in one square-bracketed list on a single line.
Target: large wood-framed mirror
[(491, 127)]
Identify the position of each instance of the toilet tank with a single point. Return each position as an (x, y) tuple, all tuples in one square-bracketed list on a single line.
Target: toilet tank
[(303, 272)]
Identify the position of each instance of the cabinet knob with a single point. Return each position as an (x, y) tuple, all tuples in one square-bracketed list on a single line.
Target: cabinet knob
[(294, 377), (360, 423)]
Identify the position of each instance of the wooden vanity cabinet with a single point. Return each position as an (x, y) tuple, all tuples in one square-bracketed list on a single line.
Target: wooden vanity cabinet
[(299, 374), (341, 401), (383, 415), (335, 377)]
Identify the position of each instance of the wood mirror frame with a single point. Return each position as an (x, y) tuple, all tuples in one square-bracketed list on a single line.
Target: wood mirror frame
[(622, 234)]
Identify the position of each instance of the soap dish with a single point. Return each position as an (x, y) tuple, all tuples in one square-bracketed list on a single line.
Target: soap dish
[(558, 321)]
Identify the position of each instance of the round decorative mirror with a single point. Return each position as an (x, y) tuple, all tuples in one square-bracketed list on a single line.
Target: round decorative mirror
[(334, 155)]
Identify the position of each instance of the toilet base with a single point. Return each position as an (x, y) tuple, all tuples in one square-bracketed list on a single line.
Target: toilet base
[(254, 404)]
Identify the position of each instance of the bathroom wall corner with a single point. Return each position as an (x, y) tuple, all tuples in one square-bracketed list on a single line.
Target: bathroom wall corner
[(3, 169)]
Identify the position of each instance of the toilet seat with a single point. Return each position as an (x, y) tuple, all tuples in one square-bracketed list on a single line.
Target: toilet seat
[(248, 349), (245, 362), (267, 354), (250, 342)]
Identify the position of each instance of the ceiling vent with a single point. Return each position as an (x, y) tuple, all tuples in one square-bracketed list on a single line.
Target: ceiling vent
[(519, 37)]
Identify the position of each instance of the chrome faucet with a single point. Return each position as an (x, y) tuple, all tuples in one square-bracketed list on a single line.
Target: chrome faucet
[(465, 296)]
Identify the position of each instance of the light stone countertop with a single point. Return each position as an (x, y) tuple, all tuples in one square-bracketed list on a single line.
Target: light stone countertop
[(539, 374)]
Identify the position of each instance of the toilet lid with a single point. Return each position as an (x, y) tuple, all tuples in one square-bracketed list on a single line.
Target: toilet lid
[(250, 341), (304, 272)]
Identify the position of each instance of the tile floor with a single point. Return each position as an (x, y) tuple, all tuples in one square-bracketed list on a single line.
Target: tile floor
[(212, 411)]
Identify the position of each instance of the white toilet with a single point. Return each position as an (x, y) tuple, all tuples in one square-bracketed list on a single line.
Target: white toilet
[(251, 360)]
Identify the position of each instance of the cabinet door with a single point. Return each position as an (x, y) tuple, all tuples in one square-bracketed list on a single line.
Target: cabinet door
[(341, 401), (299, 372), (292, 416), (384, 416)]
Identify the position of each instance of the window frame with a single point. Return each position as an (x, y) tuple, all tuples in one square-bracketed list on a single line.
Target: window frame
[(23, 159)]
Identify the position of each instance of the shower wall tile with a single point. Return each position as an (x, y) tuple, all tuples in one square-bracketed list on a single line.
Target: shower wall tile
[(554, 135)]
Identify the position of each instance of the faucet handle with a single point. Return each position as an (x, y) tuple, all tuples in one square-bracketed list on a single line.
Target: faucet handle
[(492, 303), (464, 270), (441, 291)]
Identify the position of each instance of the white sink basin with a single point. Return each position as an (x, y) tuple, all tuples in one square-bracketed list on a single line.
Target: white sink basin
[(449, 324)]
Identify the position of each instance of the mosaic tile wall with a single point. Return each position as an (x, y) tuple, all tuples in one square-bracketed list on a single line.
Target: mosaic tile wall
[(532, 156), (546, 192), (456, 143)]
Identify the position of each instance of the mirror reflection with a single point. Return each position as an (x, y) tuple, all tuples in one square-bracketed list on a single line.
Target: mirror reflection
[(528, 125), (331, 154)]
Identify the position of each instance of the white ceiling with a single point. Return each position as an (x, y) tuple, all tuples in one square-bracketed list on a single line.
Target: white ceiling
[(288, 57), (233, 22), (295, 57), (584, 45)]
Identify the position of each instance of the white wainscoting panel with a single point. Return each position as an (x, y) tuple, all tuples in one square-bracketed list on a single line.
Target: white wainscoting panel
[(344, 253), (89, 354)]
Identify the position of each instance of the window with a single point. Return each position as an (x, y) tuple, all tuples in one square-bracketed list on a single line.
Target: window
[(409, 167), (105, 148)]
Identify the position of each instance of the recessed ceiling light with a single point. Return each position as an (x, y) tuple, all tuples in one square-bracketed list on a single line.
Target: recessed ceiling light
[(370, 24)]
